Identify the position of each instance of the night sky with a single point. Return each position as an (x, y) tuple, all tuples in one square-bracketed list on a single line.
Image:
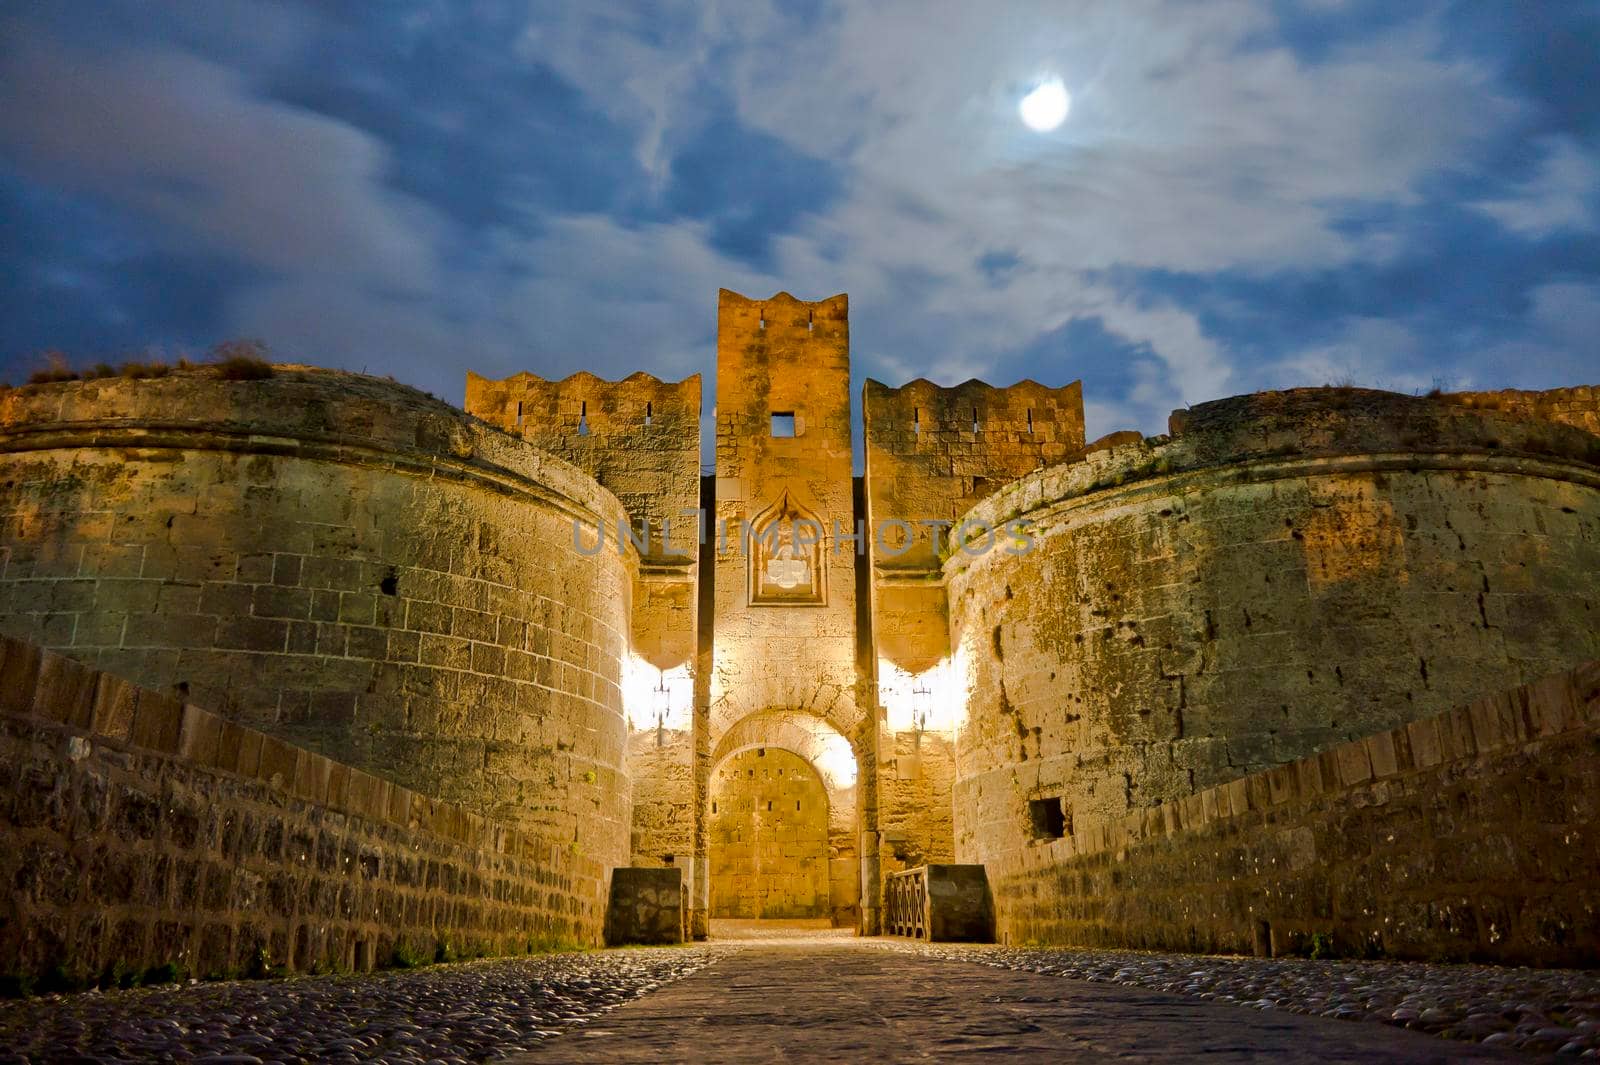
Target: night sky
[(1245, 194)]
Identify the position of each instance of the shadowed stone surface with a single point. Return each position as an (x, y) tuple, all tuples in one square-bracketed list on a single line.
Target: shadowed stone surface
[(821, 1000), (646, 906)]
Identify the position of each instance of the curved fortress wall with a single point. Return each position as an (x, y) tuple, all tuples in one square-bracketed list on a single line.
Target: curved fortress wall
[(340, 562), (1285, 572)]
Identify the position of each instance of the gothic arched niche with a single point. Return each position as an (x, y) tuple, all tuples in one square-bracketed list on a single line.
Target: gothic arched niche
[(788, 556)]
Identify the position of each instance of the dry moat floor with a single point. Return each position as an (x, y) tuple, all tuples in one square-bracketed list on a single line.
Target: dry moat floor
[(760, 993)]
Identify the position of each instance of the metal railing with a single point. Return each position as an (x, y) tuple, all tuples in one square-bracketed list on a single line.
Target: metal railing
[(906, 903)]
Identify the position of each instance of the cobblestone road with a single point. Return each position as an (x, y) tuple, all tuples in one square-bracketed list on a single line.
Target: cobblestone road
[(764, 993), (838, 1001)]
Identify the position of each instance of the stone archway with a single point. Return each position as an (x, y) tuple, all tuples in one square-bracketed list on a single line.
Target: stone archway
[(769, 837), (783, 821)]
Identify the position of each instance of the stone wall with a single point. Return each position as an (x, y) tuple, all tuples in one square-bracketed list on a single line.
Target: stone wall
[(933, 452), (141, 831), (915, 791), (1469, 835), (769, 837), (341, 562), (662, 768), (639, 437), (1287, 572), (1578, 407)]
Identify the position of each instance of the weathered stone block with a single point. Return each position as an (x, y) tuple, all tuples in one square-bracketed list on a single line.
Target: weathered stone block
[(647, 906), (115, 701), (64, 691), (157, 722)]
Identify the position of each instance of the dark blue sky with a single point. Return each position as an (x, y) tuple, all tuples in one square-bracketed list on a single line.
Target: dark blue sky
[(1246, 194)]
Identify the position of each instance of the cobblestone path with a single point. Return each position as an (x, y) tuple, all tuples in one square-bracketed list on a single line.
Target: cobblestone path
[(761, 991), (855, 1002)]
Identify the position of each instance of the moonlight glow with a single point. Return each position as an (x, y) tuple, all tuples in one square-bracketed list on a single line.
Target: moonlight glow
[(1045, 107)]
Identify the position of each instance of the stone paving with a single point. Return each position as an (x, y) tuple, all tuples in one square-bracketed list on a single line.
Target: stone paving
[(800, 1000), (1529, 1009), (466, 1012), (762, 992)]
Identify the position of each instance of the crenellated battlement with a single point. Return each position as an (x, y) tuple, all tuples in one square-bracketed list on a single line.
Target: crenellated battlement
[(1578, 407), (934, 451), (536, 408), (639, 437)]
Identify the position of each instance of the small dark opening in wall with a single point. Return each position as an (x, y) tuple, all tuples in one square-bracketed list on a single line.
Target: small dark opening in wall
[(649, 412), (669, 859), (783, 423), (713, 806), (761, 752), (974, 419), (1049, 818), (916, 419), (769, 804), (583, 418), (390, 585), (1030, 419), (797, 804), (519, 415)]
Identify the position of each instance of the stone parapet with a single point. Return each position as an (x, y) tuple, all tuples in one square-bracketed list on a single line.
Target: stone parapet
[(1468, 835), (143, 831)]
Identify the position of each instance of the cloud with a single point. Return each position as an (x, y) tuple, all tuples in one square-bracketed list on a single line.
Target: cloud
[(1192, 147), (552, 186), (183, 141), (1560, 196), (1553, 343)]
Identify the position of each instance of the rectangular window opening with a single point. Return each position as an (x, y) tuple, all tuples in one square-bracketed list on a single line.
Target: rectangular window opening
[(583, 418), (974, 419), (783, 423), (1049, 818), (519, 415), (810, 321), (649, 412), (1030, 419), (916, 419)]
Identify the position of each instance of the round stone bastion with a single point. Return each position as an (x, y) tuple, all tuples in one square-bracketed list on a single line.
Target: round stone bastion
[(1285, 571), (340, 561)]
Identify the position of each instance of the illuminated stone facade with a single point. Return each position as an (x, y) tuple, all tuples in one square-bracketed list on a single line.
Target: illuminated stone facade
[(1134, 621), (547, 613)]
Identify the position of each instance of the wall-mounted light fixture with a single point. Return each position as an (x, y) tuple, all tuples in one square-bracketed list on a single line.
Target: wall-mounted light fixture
[(661, 704), (921, 704)]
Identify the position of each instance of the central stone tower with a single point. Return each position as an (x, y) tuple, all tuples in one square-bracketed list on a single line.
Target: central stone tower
[(784, 657)]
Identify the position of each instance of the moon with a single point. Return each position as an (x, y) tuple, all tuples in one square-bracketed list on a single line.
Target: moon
[(1045, 107)]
